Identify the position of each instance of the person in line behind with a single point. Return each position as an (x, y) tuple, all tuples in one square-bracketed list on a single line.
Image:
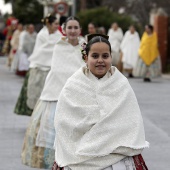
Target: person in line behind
[(115, 34), (38, 148), (40, 64), (129, 50), (149, 64)]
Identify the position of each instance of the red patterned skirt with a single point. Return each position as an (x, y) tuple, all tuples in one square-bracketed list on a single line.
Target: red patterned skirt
[(138, 160)]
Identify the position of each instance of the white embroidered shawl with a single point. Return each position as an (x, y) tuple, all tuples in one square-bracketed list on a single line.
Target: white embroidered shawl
[(97, 122), (43, 50), (66, 60), (129, 47)]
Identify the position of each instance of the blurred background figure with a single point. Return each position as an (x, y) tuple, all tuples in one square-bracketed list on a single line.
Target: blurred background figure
[(102, 30), (115, 34), (11, 26), (149, 63), (27, 49), (40, 63), (92, 29), (14, 43), (14, 65), (129, 50)]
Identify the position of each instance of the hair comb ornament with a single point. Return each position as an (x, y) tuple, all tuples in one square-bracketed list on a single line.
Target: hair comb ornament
[(91, 36)]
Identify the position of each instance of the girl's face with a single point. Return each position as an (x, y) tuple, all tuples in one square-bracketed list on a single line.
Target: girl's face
[(54, 26), (99, 59), (72, 29), (91, 29)]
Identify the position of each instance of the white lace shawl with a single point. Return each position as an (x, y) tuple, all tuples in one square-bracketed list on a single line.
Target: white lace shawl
[(43, 50), (66, 60), (97, 122)]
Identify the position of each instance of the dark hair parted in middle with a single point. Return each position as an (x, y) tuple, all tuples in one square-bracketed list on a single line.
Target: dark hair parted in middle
[(95, 39), (69, 19)]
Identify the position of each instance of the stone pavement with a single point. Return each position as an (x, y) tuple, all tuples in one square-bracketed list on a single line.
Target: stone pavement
[(153, 98)]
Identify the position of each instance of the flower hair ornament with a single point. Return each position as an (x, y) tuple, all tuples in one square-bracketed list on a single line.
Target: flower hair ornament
[(83, 50)]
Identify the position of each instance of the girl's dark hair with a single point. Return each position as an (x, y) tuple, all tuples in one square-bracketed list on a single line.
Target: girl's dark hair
[(95, 39), (62, 20), (150, 27), (69, 19), (49, 19)]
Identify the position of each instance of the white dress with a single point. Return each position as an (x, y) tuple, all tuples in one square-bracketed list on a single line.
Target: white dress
[(129, 48), (115, 39)]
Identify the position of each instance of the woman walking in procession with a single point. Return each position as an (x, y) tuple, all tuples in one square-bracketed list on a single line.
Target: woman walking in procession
[(40, 62), (98, 121), (129, 50), (38, 148), (149, 64)]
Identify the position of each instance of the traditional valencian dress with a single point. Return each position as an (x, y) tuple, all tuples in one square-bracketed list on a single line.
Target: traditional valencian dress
[(40, 63), (14, 45), (15, 61), (38, 148), (149, 63), (115, 39), (98, 123), (28, 47), (129, 47)]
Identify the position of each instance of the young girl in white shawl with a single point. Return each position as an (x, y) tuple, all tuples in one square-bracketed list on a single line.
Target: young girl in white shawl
[(38, 149), (40, 62), (98, 121)]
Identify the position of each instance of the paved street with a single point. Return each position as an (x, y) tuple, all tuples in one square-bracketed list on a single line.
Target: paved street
[(154, 101)]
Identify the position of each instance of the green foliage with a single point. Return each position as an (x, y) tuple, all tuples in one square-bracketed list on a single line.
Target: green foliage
[(28, 11), (103, 17)]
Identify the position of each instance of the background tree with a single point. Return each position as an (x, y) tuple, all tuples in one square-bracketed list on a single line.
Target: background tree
[(138, 9), (103, 17), (27, 11)]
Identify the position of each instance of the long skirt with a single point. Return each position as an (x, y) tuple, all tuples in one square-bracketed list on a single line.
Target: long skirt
[(128, 163), (21, 107), (35, 85), (14, 65), (38, 151), (46, 134), (31, 91), (142, 70)]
